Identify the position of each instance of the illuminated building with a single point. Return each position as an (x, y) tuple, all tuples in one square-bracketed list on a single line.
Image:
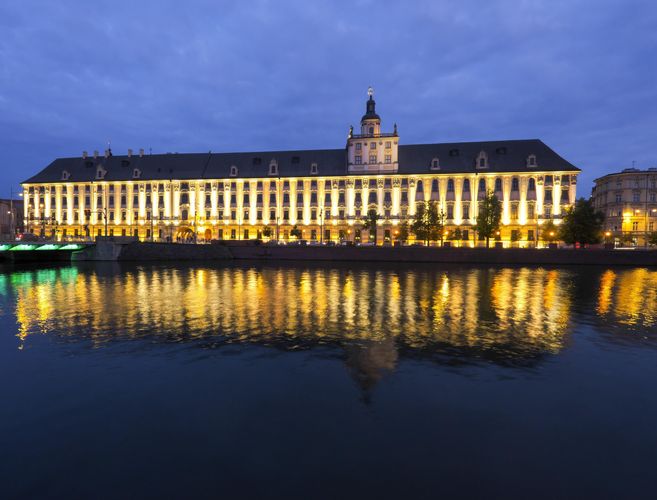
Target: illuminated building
[(629, 201), (325, 193)]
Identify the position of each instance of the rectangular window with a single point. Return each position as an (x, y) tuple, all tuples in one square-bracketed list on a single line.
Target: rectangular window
[(372, 158), (636, 197), (466, 211), (359, 159), (388, 159), (388, 145), (372, 145), (359, 146), (618, 198), (635, 226)]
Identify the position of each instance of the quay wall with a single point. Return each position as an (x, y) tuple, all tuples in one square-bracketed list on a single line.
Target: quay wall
[(510, 256), (250, 250)]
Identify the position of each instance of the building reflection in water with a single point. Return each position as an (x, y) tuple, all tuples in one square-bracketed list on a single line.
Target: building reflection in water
[(375, 315), (628, 298)]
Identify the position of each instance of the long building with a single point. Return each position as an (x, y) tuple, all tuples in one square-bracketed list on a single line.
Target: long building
[(325, 193), (629, 201)]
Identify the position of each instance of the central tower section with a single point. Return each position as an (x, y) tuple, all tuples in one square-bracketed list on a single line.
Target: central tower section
[(371, 150)]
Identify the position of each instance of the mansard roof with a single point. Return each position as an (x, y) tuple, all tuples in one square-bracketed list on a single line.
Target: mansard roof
[(456, 158)]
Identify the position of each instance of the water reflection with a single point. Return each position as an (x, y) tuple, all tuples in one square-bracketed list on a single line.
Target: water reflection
[(503, 315)]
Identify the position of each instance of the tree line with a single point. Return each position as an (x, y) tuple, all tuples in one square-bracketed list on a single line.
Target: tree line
[(581, 224)]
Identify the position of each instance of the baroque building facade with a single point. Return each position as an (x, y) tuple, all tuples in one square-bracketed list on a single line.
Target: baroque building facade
[(325, 194), (629, 201)]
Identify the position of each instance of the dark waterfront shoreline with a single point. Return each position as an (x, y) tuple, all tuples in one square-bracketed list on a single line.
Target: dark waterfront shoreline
[(145, 252)]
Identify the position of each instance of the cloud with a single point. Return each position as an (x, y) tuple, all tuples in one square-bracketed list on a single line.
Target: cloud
[(201, 75)]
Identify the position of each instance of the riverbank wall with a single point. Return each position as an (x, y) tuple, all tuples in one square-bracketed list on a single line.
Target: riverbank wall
[(497, 256), (152, 252), (250, 250)]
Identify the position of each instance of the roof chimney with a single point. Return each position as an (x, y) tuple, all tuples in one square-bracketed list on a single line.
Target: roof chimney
[(129, 153), (95, 154), (84, 155), (141, 152)]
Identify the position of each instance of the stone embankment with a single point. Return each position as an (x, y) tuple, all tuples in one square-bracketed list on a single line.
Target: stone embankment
[(250, 250), (498, 256)]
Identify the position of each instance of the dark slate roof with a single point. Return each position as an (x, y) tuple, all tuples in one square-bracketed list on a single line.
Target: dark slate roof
[(460, 157), (503, 156)]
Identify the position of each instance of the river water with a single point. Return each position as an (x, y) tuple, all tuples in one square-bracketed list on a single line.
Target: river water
[(331, 381)]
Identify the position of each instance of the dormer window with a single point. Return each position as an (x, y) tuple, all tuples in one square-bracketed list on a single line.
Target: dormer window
[(531, 161), (233, 170), (65, 175), (482, 160), (136, 173), (313, 169), (100, 172), (273, 168), (435, 164)]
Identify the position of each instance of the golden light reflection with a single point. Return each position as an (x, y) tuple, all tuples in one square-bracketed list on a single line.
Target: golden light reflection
[(512, 312)]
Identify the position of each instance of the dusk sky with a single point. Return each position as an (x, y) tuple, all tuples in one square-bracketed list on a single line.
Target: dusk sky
[(194, 76)]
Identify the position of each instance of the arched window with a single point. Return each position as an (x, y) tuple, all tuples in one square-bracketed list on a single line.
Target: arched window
[(184, 215), (514, 184), (482, 185), (450, 185), (420, 188), (434, 186), (466, 186), (532, 184), (184, 198), (498, 184), (233, 171), (371, 130)]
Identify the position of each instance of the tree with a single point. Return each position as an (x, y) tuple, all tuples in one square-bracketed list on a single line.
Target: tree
[(267, 232), (549, 232), (490, 214), (295, 231), (402, 232), (456, 235), (370, 222), (582, 224), (428, 223), (652, 239)]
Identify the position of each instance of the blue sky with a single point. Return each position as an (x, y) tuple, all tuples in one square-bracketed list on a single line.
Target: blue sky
[(191, 76)]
